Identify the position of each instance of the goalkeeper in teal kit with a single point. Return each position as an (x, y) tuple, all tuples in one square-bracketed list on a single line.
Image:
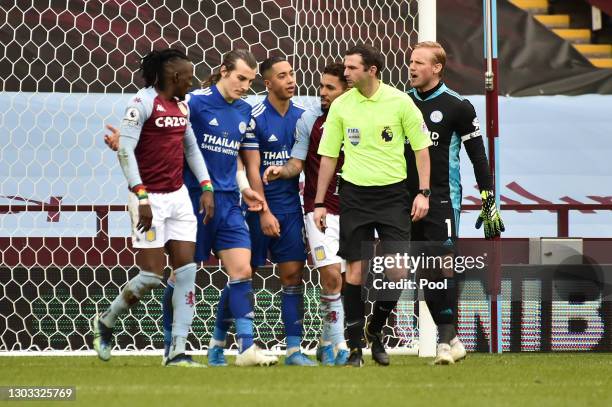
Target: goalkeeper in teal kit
[(452, 122)]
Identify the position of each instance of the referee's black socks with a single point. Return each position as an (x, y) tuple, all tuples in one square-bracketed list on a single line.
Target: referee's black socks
[(380, 315), (354, 310)]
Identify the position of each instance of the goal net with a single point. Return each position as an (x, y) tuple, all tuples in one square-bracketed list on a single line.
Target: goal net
[(69, 67)]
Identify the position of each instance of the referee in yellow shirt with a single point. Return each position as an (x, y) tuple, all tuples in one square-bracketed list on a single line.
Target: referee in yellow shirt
[(373, 122)]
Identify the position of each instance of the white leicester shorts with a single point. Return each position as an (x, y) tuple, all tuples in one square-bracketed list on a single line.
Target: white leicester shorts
[(173, 219), (324, 246)]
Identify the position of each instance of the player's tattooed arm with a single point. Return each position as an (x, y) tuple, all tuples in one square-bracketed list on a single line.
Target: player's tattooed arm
[(252, 161), (291, 169), (299, 151)]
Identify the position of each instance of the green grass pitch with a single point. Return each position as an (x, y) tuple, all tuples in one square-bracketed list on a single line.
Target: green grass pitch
[(517, 380)]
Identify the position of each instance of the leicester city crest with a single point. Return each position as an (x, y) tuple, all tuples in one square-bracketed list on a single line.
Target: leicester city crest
[(436, 116), (242, 127), (354, 135)]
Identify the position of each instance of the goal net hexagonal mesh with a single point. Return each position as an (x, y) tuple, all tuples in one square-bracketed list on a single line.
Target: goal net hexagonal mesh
[(67, 68)]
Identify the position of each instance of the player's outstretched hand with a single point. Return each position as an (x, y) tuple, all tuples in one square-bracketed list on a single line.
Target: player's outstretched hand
[(207, 205), (489, 216), (112, 140), (271, 173), (420, 207), (145, 218), (319, 215), (269, 224), (253, 200)]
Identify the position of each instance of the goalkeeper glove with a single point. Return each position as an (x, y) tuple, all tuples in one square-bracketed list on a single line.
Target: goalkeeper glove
[(493, 224)]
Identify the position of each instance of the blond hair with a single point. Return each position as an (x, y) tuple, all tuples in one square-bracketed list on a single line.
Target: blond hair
[(439, 55)]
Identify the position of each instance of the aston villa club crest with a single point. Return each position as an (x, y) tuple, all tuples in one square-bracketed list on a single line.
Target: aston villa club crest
[(387, 134), (150, 234), (319, 252)]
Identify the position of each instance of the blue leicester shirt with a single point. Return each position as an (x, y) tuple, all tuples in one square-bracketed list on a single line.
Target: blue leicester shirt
[(274, 136), (220, 128)]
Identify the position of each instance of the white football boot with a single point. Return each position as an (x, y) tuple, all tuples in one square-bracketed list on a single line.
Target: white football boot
[(254, 356), (443, 355), (457, 349)]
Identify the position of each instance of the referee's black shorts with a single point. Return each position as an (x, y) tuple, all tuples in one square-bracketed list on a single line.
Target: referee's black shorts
[(439, 227), (364, 209)]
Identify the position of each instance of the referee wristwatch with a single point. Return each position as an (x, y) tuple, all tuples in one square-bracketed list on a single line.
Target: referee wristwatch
[(425, 192)]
